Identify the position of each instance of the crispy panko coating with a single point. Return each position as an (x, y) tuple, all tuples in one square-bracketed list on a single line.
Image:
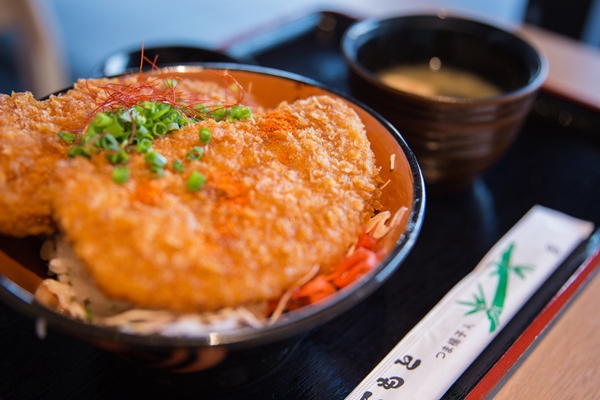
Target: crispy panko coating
[(286, 190), (30, 146), (29, 150)]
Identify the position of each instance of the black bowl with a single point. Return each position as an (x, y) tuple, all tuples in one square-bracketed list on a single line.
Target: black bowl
[(232, 358), (125, 61), (455, 139)]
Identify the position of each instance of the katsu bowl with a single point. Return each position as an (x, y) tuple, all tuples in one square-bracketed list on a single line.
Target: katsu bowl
[(187, 218)]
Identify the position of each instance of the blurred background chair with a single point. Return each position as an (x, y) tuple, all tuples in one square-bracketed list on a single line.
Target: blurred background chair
[(32, 57)]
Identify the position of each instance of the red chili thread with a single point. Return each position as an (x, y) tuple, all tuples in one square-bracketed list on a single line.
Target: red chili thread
[(151, 87)]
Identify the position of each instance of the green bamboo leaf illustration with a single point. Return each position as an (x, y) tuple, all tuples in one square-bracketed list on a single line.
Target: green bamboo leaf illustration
[(503, 268), (479, 303), (501, 288), (521, 269), (494, 316)]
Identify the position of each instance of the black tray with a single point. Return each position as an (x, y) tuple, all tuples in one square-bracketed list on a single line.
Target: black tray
[(551, 164)]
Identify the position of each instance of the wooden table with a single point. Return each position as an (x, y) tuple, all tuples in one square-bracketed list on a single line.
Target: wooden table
[(565, 364)]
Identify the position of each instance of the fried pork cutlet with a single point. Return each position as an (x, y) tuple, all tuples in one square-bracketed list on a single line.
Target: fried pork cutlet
[(286, 190), (30, 146), (29, 150)]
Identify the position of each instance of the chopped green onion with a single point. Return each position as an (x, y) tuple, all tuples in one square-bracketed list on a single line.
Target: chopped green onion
[(159, 129), (178, 166), (139, 117), (144, 145), (148, 105), (160, 110), (155, 159), (205, 135), (89, 316), (108, 142), (195, 153), (76, 150), (195, 181), (170, 82), (218, 114), (102, 120), (120, 174), (172, 126), (120, 157), (202, 110), (158, 171), (239, 111), (120, 131), (67, 137), (125, 116), (142, 132), (116, 130), (172, 115)]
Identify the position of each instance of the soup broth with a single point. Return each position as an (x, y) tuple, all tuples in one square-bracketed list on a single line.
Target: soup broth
[(446, 81)]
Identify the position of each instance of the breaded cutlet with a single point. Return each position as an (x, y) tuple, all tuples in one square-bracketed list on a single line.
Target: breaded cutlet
[(285, 190), (30, 146), (29, 150)]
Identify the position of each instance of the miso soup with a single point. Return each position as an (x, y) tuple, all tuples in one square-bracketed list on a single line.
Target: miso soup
[(425, 79)]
